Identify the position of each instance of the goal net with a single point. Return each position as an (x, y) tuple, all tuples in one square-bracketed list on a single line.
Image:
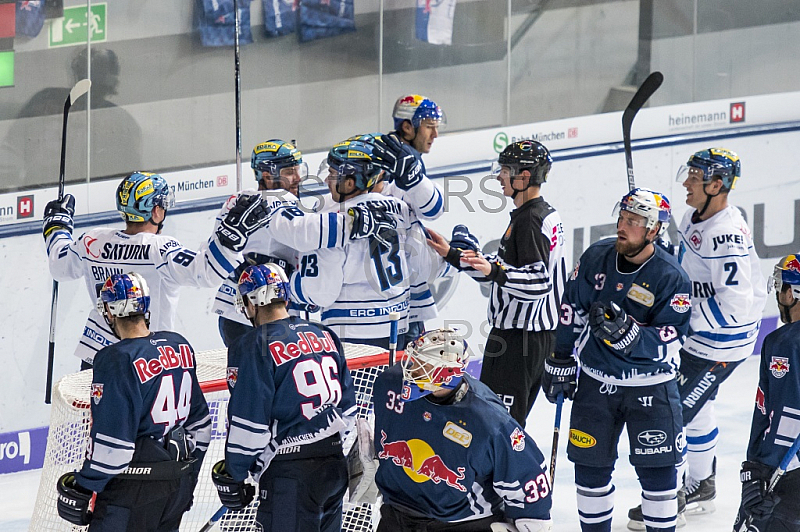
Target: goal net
[(70, 422)]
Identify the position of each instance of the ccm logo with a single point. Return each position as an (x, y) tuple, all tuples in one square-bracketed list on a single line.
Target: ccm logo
[(457, 434)]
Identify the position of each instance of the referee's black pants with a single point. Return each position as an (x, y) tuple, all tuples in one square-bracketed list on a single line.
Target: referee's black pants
[(513, 363)]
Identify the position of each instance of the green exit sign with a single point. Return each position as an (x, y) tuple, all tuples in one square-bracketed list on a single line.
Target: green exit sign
[(74, 29)]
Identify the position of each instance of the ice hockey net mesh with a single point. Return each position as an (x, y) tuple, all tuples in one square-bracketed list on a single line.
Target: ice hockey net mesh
[(70, 422)]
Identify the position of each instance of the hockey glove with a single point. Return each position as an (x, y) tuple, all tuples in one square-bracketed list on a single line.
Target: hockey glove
[(58, 215), (399, 161), (234, 494), (612, 326), (560, 377), (248, 215), (524, 525), (75, 504), (252, 258), (755, 499), (463, 239), (362, 465), (371, 221)]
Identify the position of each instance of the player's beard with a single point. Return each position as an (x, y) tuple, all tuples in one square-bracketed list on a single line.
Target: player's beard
[(628, 247)]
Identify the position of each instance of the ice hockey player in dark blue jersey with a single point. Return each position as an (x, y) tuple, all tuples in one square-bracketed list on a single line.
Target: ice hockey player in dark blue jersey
[(776, 417), (292, 400), (450, 455), (150, 423), (625, 311)]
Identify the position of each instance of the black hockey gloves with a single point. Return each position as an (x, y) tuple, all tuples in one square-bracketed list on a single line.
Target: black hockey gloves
[(463, 239), (233, 494), (612, 325), (371, 221), (560, 377), (248, 215), (74, 502), (756, 502), (398, 159), (58, 215)]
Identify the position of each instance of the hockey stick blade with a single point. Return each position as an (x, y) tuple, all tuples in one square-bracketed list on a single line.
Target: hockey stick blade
[(646, 90), (80, 88)]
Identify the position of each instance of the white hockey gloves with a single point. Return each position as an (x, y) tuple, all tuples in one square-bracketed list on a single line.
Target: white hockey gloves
[(362, 465), (248, 215)]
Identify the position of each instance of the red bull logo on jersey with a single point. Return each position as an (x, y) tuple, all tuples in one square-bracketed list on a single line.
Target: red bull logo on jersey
[(518, 440), (167, 359), (760, 401), (420, 463), (681, 303), (779, 367), (231, 376), (307, 343), (97, 392)]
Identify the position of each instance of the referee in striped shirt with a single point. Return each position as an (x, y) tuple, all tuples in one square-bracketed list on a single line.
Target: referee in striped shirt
[(527, 277)]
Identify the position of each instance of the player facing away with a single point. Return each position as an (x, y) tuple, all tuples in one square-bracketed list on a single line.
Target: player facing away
[(143, 200), (526, 277), (776, 417), (625, 311), (360, 284), (450, 457), (279, 170), (150, 423), (292, 400), (417, 122), (728, 297)]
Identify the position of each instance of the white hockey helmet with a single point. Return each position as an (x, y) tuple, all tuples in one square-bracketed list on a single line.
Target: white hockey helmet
[(262, 284), (434, 361), (652, 205)]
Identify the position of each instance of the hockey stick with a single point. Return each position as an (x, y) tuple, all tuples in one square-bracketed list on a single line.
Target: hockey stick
[(214, 518), (80, 88), (395, 317), (650, 86), (238, 90), (556, 431), (776, 476)]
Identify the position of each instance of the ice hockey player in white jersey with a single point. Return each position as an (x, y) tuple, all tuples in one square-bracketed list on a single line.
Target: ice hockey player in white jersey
[(143, 200), (279, 170), (360, 284)]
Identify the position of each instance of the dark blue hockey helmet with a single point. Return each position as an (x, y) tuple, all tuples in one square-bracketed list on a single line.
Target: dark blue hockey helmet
[(124, 295), (415, 108), (262, 284), (272, 156), (714, 162), (353, 158)]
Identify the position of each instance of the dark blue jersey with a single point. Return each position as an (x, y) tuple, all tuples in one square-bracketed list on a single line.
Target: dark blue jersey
[(454, 462), (656, 295), (142, 388), (776, 418), (291, 387)]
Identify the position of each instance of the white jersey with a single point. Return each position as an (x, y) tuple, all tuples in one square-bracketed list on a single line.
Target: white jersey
[(358, 285), (728, 289), (425, 200), (163, 262), (289, 232)]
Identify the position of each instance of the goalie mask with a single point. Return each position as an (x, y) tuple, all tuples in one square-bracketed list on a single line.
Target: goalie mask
[(651, 205), (434, 361), (262, 284), (124, 295), (786, 276), (139, 193), (279, 159), (416, 108)]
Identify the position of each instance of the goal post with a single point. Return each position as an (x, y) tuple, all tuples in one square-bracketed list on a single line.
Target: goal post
[(70, 423)]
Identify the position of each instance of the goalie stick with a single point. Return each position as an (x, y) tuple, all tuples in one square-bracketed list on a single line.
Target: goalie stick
[(650, 86), (80, 88)]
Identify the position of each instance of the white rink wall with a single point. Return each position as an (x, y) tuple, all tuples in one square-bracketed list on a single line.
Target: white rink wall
[(584, 188)]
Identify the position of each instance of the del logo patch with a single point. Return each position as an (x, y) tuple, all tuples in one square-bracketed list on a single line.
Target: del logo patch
[(581, 439), (681, 303), (97, 392), (518, 440), (779, 367), (641, 295), (457, 434), (232, 376)]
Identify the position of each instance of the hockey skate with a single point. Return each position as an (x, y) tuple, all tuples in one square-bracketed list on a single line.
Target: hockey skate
[(700, 495), (636, 520)]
